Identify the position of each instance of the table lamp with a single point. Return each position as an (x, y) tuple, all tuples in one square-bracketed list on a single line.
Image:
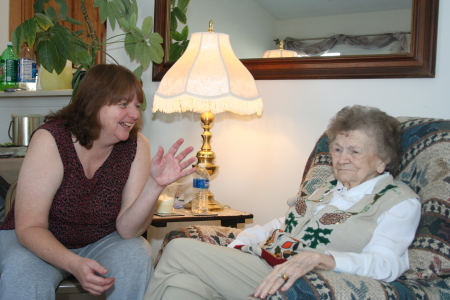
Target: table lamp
[(280, 52), (208, 79)]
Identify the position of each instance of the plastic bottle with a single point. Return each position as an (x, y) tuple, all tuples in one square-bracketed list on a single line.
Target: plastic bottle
[(26, 69), (8, 77), (201, 190)]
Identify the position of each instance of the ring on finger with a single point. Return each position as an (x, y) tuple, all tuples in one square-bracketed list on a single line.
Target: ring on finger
[(283, 276)]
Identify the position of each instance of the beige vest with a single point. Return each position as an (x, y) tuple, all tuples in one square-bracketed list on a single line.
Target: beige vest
[(331, 229), (344, 231)]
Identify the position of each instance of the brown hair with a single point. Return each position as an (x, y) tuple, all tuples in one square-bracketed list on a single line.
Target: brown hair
[(375, 123), (103, 84)]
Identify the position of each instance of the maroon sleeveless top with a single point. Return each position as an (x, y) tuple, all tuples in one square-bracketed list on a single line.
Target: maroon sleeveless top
[(85, 210)]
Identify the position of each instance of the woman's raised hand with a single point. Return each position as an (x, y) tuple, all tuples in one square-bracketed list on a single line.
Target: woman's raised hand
[(168, 168)]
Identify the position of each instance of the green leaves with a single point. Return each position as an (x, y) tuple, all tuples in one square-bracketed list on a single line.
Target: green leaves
[(43, 21), (140, 44), (290, 222), (38, 5), (49, 57), (115, 10), (317, 236), (178, 14), (29, 31)]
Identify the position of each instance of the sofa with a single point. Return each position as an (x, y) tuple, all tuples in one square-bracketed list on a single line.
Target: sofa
[(425, 167)]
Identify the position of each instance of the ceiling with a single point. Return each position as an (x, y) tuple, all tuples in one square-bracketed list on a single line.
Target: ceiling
[(293, 9)]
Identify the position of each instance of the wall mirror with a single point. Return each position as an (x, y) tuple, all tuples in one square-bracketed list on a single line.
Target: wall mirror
[(419, 61)]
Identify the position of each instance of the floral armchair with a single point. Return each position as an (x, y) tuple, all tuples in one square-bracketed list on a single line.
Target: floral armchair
[(425, 167)]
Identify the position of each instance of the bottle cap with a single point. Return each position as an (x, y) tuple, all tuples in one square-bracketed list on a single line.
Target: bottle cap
[(9, 44)]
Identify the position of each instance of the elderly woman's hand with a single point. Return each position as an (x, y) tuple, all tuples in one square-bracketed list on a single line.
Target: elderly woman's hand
[(168, 168), (291, 270)]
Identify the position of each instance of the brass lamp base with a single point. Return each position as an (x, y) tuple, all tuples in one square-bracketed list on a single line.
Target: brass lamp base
[(213, 205), (207, 156)]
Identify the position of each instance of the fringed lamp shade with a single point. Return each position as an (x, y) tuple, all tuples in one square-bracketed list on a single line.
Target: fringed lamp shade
[(208, 78)]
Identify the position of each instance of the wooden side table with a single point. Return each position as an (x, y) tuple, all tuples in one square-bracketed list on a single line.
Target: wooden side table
[(228, 217)]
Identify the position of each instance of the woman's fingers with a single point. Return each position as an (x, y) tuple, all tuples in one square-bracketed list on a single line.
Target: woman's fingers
[(286, 274), (182, 155), (271, 283), (175, 147)]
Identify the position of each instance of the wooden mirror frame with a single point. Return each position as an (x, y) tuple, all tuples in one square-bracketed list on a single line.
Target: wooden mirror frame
[(419, 63)]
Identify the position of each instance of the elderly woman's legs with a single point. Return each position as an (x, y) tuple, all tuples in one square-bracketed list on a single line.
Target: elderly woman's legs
[(23, 275), (190, 269)]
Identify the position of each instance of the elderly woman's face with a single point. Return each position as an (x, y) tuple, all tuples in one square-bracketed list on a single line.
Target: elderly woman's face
[(354, 158)]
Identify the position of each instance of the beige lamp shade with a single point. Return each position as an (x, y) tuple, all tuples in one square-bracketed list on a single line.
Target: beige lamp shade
[(208, 77), (279, 53)]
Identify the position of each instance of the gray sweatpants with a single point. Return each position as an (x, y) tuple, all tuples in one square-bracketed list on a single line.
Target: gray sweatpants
[(25, 276), (190, 269)]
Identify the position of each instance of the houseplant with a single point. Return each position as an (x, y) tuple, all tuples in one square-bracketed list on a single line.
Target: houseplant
[(179, 38), (54, 44)]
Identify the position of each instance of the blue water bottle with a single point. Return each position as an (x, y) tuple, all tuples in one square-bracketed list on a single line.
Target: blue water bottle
[(201, 190)]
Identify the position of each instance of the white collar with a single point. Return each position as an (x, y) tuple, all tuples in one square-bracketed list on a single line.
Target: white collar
[(359, 191)]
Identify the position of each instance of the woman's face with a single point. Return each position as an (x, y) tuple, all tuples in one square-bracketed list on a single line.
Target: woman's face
[(117, 120), (354, 158)]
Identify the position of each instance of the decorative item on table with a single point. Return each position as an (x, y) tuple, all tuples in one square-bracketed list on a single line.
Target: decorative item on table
[(208, 79), (167, 198), (280, 52)]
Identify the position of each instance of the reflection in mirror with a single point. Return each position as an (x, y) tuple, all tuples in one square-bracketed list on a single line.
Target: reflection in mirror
[(255, 25), (258, 35)]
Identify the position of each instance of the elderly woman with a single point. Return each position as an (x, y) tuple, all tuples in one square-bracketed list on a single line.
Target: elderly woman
[(359, 221), (86, 191)]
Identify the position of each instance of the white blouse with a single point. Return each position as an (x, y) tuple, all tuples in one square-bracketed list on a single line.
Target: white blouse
[(385, 257)]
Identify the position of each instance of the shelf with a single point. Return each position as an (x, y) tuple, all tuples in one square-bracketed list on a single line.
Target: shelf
[(37, 94)]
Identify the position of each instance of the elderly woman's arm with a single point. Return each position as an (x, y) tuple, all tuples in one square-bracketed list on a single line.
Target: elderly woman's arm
[(257, 233), (384, 258)]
